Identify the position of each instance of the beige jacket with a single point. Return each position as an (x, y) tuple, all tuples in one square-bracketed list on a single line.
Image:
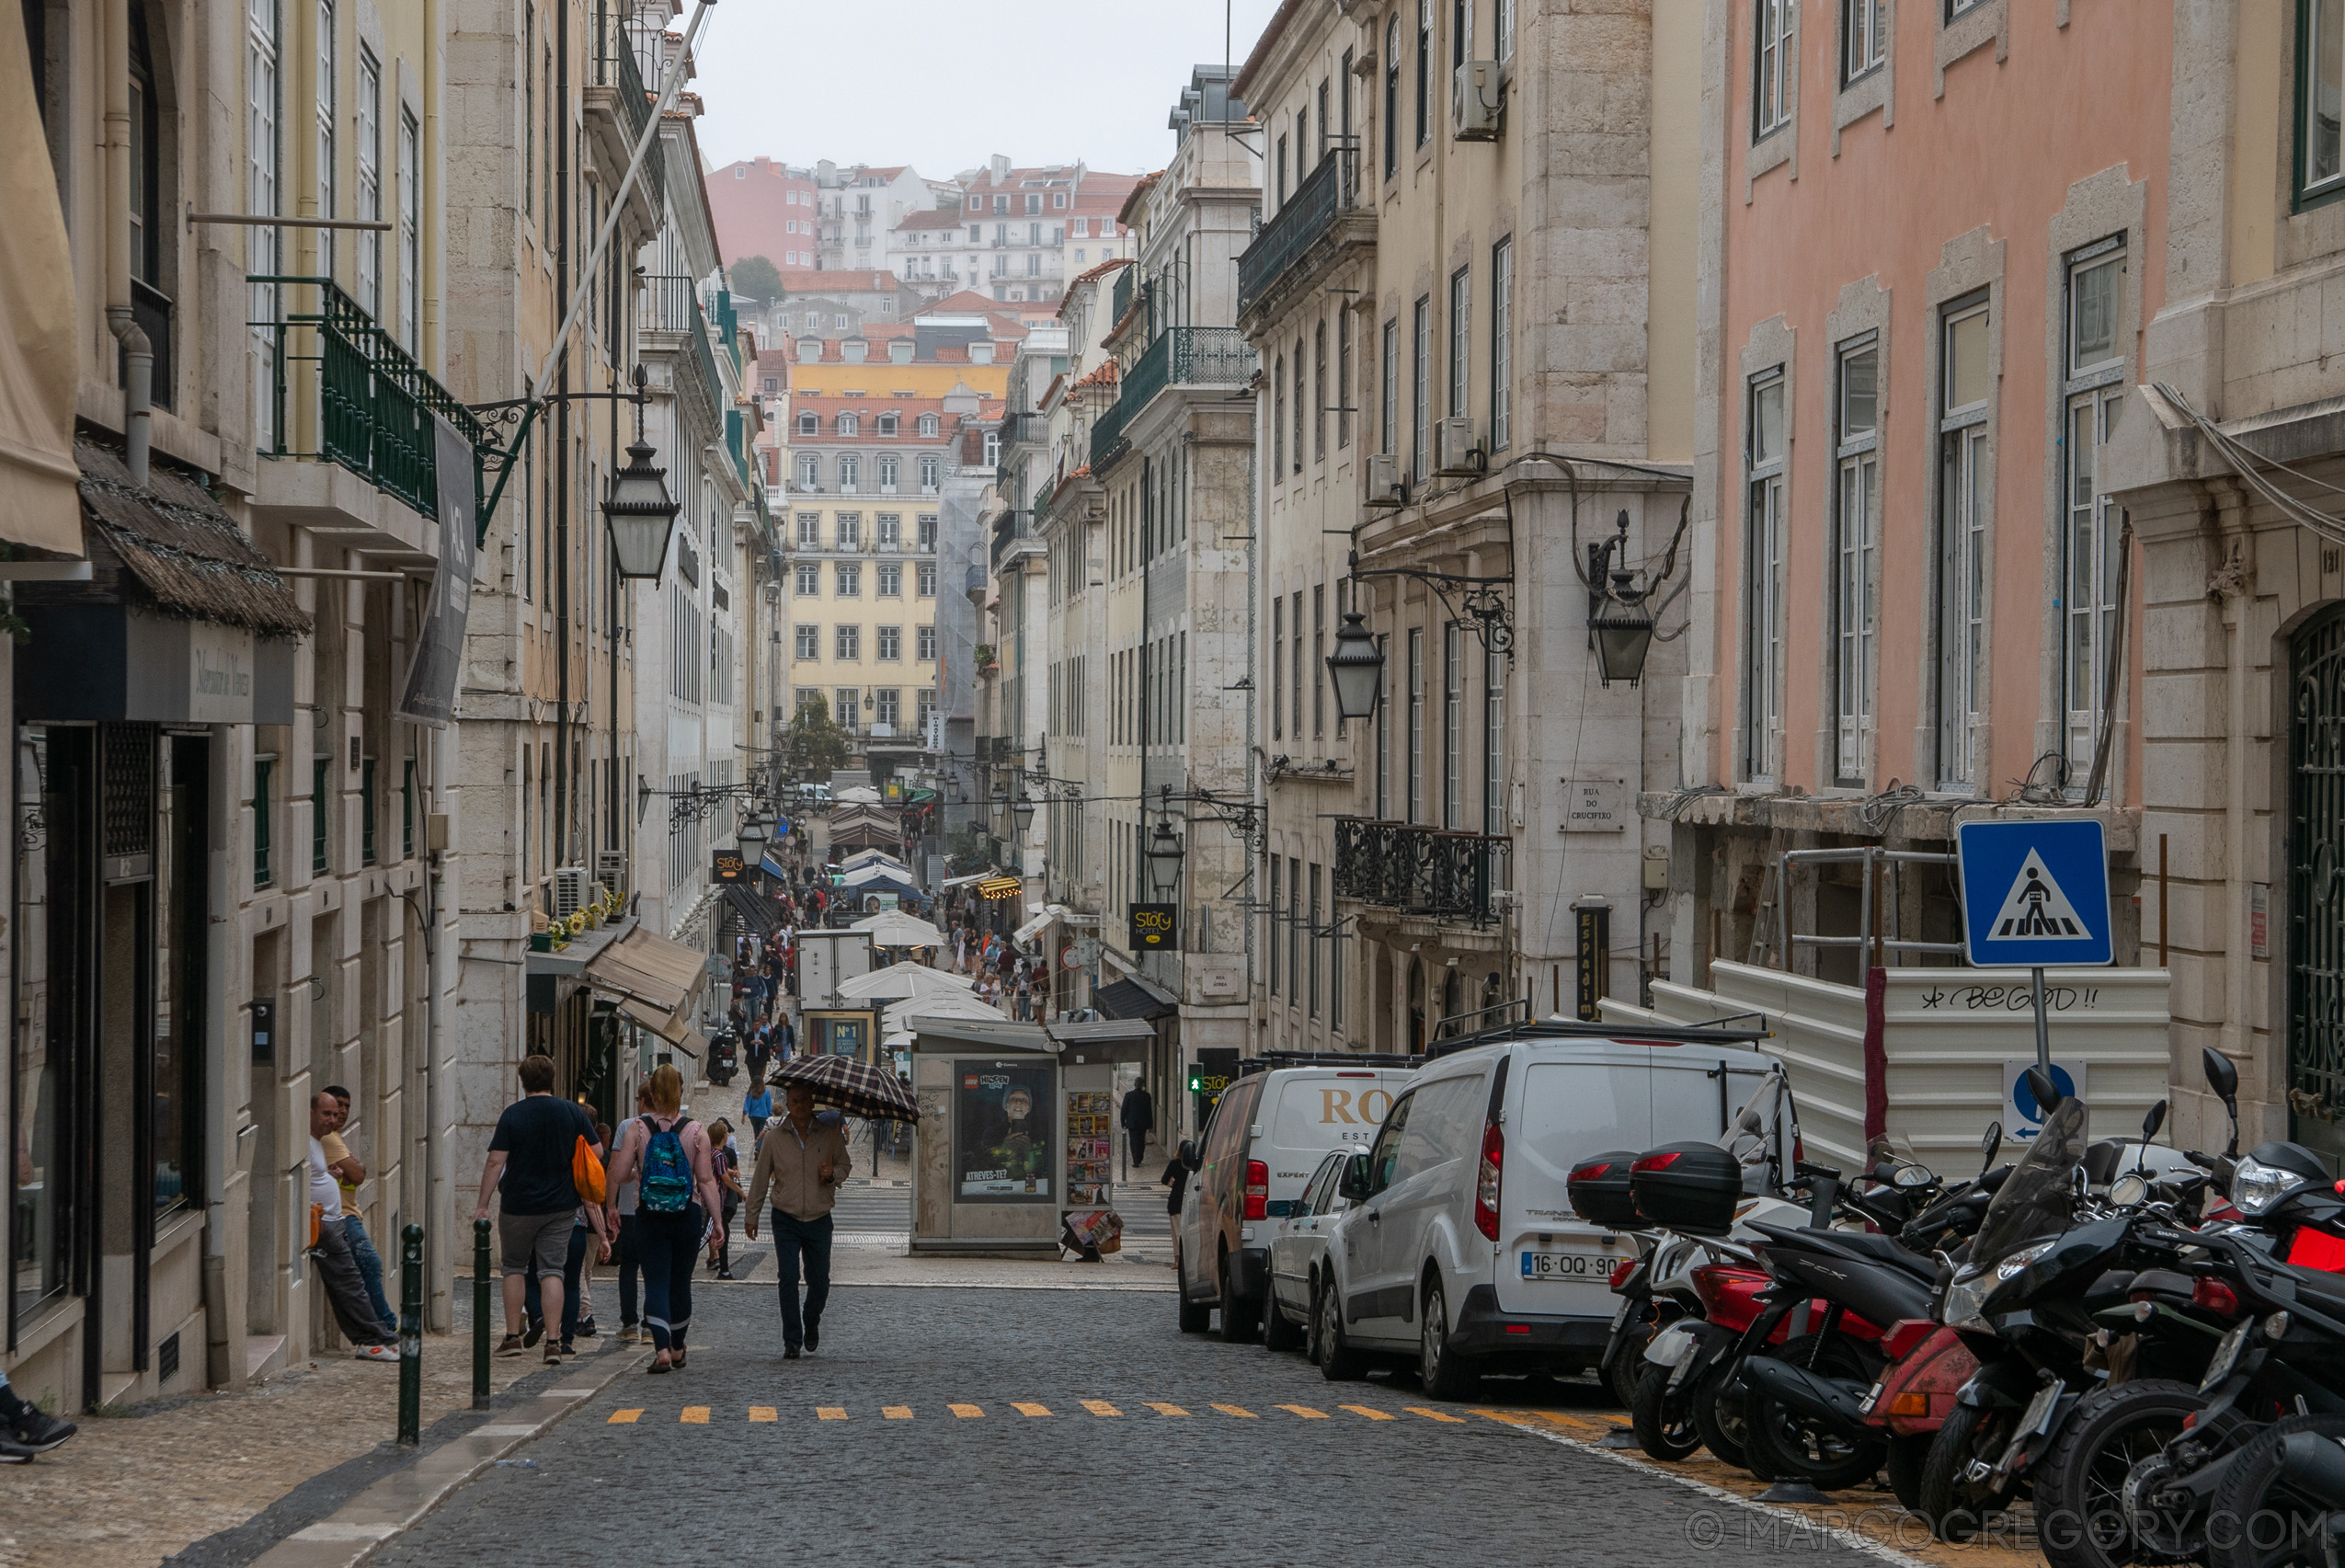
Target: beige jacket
[(793, 1170)]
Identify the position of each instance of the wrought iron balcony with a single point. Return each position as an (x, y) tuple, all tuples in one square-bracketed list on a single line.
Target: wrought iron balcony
[(621, 43), (1323, 198), (1430, 872), (668, 304), (1107, 435), (345, 391), (1188, 356)]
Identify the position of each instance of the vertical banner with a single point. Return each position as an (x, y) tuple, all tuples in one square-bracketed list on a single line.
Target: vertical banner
[(429, 695), (1593, 933)]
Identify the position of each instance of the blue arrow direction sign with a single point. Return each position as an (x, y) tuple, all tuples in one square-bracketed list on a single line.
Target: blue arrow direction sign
[(2035, 893)]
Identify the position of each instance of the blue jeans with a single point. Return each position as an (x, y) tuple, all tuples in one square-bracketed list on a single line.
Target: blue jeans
[(669, 1246), (370, 1263), (790, 1238)]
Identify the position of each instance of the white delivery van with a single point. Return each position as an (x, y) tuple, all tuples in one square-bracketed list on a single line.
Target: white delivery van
[(1267, 1134), (1461, 1248)]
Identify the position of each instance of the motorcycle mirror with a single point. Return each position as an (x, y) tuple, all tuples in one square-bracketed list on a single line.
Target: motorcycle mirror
[(2129, 1190), (2155, 1120), (1910, 1176), (1989, 1142), (2047, 1094), (2223, 1077), (1189, 1154)]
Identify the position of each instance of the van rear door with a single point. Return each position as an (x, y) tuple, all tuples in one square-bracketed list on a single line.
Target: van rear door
[(1307, 1111), (1598, 1097)]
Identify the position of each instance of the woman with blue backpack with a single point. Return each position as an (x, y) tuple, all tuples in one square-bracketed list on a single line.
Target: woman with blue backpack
[(667, 1154)]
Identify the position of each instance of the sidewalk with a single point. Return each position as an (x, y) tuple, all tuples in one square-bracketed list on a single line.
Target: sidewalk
[(137, 1486)]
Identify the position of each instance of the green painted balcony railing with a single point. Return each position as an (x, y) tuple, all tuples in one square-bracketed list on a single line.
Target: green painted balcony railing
[(345, 391), (1188, 356), (1323, 197), (1108, 435)]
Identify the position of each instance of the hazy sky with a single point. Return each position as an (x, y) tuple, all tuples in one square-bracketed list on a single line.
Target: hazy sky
[(944, 86)]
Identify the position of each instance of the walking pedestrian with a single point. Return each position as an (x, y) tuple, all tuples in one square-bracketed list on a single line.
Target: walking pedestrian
[(726, 1162), (25, 1428), (529, 1168), (1140, 1116), (802, 1165), (670, 1153), (758, 1106), (619, 1217), (1176, 1176)]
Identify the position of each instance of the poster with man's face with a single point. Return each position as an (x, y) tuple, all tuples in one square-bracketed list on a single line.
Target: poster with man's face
[(1002, 1132)]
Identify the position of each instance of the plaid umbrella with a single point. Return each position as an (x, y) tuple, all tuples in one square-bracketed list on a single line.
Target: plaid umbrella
[(856, 1087)]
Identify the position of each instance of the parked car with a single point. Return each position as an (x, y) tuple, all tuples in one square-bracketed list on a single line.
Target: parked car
[(1460, 1249), (1297, 1250), (1265, 1137)]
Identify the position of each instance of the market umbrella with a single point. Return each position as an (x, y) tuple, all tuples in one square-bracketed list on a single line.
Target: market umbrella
[(855, 1086), (893, 928)]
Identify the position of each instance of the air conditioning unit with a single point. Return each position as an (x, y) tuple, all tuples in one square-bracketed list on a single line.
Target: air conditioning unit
[(573, 890), (610, 870), (1454, 453), (1384, 488), (1478, 99)]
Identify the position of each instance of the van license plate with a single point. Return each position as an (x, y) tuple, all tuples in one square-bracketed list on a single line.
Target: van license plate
[(1565, 1265)]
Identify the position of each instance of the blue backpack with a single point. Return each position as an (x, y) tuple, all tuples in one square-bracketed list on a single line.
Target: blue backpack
[(666, 1168)]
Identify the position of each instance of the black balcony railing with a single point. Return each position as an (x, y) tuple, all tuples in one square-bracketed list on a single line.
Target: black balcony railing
[(621, 45), (668, 304), (1325, 196), (1430, 872)]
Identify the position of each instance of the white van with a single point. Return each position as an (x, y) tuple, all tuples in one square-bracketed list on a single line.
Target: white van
[(1460, 1247), (1267, 1134)]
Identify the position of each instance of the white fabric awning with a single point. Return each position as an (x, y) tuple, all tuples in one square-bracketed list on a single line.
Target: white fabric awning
[(1038, 922), (39, 367)]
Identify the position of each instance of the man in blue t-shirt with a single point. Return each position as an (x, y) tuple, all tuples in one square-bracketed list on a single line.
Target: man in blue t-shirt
[(529, 1169)]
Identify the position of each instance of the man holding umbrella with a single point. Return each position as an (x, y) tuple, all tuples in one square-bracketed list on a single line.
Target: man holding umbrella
[(802, 1162)]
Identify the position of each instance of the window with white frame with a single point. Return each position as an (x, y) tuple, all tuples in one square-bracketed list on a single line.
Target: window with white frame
[(1389, 400), (924, 644), (890, 467), (928, 425), (1453, 724), (848, 424), (1771, 64), (932, 472), (809, 471), (1856, 558), (1502, 335), (1493, 741), (890, 642), (927, 580), (847, 642), (410, 155), (1864, 38), (850, 530), (809, 423), (1965, 472), (2321, 99), (891, 530), (2088, 546), (926, 537), (887, 424), (1412, 760), (1421, 388), (890, 583), (887, 707), (262, 161), (849, 581), (847, 710), (1763, 528), (809, 640), (810, 531), (1461, 306), (324, 107), (369, 168), (810, 583), (851, 470)]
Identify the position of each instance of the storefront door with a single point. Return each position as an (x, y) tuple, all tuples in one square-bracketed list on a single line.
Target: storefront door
[(2316, 858)]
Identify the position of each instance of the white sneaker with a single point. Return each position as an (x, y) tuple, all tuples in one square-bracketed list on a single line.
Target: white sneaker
[(378, 1353)]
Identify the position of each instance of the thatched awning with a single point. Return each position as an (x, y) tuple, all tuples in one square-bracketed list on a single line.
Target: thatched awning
[(173, 546)]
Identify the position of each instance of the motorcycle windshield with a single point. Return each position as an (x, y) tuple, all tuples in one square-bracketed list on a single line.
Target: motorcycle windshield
[(2034, 1202)]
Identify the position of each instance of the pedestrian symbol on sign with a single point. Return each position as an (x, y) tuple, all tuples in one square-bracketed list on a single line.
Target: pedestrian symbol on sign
[(2035, 906)]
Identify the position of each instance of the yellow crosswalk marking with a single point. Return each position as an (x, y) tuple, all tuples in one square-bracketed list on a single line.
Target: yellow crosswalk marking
[(1572, 1423), (966, 1412), (1101, 1407), (896, 1411), (764, 1413), (624, 1417), (1306, 1412), (694, 1415), (1166, 1409), (1237, 1410), (1023, 1408), (1368, 1411), (1506, 1417), (1434, 1414), (830, 1411)]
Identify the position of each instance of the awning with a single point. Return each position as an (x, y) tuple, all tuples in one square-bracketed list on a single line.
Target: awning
[(1130, 999), (1001, 887), (655, 980), (40, 355), (772, 867), (758, 914), (1106, 1032), (1039, 921)]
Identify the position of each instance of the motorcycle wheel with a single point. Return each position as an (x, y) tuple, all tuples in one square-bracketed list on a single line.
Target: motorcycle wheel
[(2082, 1518), (1664, 1422), (1721, 1419), (1952, 1506), (1906, 1457), (2257, 1519), (1798, 1448), (1627, 1371)]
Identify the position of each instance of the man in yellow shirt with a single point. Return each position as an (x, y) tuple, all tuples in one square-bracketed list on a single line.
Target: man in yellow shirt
[(350, 1174)]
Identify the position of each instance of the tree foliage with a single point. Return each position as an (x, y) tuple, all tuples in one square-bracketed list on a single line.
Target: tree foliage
[(813, 746), (755, 278)]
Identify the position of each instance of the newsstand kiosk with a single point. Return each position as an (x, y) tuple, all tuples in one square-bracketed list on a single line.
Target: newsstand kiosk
[(991, 1161)]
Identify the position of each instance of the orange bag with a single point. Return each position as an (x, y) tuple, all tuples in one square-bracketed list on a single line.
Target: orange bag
[(316, 1223), (585, 1171)]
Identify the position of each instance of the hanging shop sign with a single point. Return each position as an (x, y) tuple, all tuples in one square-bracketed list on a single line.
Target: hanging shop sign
[(429, 695), (1156, 928)]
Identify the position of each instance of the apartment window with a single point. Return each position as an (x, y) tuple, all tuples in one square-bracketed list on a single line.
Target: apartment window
[(1864, 39), (888, 424), (850, 474), (1966, 386), (1301, 399), (888, 706), (1493, 741), (1393, 95), (2096, 395), (1414, 761), (850, 581), (1278, 662), (1343, 378), (891, 530), (1324, 123), (889, 641), (809, 423), (528, 107), (809, 642), (924, 644), (1506, 30), (1319, 661), (1771, 64), (1453, 719), (1278, 158), (1297, 676), (809, 473), (1502, 344), (410, 230), (1461, 296), (846, 706), (1294, 925), (889, 469), (261, 162), (1424, 71), (1275, 917), (810, 584), (1388, 401), (1310, 990), (1319, 392), (810, 531), (847, 642), (850, 530), (1420, 387), (925, 579), (928, 425), (2320, 98), (926, 537), (1856, 558), (1763, 576), (264, 770), (1382, 739), (848, 424), (891, 581), (370, 162), (325, 111), (321, 831), (1278, 419)]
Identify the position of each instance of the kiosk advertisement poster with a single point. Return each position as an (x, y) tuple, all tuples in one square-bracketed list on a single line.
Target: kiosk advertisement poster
[(1091, 1146), (1001, 1131)]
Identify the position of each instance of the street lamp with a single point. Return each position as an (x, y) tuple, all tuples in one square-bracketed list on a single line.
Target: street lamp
[(1356, 668), (1164, 861), (752, 836), (639, 510), (1620, 623), (1023, 807)]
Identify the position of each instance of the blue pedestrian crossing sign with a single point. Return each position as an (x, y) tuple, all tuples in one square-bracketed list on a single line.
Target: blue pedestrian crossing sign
[(2035, 894)]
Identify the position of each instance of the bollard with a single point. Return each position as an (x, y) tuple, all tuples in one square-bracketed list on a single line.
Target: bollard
[(411, 1337), (480, 1314)]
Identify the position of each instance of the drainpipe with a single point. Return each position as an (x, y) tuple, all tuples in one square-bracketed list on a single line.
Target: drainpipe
[(2233, 579), (138, 353), (440, 1210)]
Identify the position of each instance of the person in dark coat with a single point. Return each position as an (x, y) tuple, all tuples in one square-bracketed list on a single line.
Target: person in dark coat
[(1139, 1116)]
